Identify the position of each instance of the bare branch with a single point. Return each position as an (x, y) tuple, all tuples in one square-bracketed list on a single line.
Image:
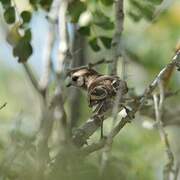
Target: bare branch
[(93, 147), (158, 104), (83, 133), (56, 104), (119, 18), (78, 59), (44, 80), (63, 36), (108, 140), (63, 51)]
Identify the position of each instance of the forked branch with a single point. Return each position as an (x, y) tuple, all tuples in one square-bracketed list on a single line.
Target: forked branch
[(85, 131)]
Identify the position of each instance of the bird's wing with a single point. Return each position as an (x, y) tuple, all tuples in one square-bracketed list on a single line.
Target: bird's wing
[(101, 80), (97, 94)]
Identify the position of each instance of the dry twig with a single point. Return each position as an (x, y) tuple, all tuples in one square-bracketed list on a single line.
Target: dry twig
[(158, 104), (2, 106)]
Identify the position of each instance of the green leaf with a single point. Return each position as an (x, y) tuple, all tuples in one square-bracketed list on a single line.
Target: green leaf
[(107, 2), (148, 11), (34, 3), (106, 25), (10, 15), (46, 4), (23, 50), (75, 9), (103, 21), (156, 2), (94, 44), (6, 3), (142, 9), (28, 35), (26, 16), (106, 41), (136, 4), (135, 16), (85, 30)]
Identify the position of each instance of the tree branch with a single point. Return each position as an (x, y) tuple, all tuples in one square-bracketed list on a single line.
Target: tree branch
[(176, 172), (44, 80), (63, 48), (116, 43), (84, 132), (62, 61)]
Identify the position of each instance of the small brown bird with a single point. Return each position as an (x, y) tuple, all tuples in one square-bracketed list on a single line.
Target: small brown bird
[(101, 89)]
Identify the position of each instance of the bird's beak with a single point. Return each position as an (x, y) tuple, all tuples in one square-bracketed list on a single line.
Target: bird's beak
[(68, 82)]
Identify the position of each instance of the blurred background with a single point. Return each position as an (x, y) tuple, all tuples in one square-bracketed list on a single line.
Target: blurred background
[(137, 152)]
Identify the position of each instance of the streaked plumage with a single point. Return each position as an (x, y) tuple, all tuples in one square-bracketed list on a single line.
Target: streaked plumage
[(100, 88)]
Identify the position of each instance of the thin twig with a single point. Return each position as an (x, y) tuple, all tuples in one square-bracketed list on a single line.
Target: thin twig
[(158, 104), (176, 172), (91, 65), (102, 61), (25, 65), (2, 106)]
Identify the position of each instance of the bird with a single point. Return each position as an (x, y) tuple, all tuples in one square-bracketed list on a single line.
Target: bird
[(101, 89)]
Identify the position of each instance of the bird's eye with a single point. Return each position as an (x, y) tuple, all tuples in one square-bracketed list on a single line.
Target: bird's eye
[(74, 78)]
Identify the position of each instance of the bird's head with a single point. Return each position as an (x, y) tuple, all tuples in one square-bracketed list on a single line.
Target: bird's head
[(78, 76)]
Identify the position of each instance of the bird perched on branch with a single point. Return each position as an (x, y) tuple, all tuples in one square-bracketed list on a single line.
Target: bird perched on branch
[(101, 89)]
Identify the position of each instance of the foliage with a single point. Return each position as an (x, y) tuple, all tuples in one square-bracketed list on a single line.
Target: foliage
[(96, 8)]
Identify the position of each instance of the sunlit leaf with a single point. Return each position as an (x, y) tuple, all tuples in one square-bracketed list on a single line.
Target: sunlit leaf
[(13, 35)]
